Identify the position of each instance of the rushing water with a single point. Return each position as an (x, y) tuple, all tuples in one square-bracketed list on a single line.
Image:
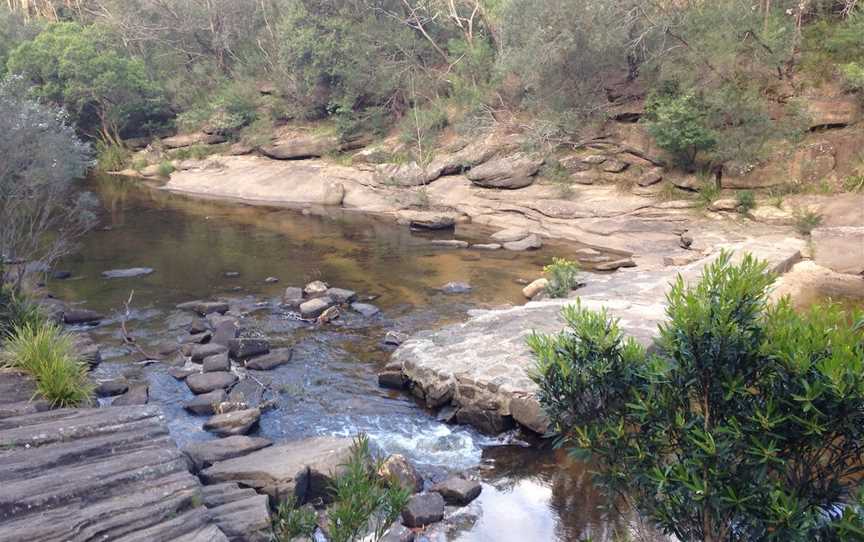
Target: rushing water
[(330, 387)]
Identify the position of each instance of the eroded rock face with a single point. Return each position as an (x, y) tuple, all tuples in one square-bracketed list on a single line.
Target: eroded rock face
[(241, 513), (840, 249), (203, 454), (304, 469), (300, 146), (510, 172), (833, 111), (187, 140)]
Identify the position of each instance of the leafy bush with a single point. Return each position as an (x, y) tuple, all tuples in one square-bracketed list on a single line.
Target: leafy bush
[(363, 500), (231, 107), (709, 190), (16, 311), (746, 201), (679, 125), (563, 276), (165, 168), (745, 425), (48, 354), (111, 156), (291, 522), (806, 221)]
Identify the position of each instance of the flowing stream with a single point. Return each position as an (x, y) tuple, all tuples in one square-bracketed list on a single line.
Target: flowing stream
[(330, 387)]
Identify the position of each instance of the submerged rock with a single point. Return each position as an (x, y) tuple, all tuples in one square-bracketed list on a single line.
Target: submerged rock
[(456, 288), (536, 287), (127, 273), (365, 309)]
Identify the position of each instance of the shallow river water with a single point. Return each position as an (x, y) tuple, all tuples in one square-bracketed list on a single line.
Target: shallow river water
[(330, 387)]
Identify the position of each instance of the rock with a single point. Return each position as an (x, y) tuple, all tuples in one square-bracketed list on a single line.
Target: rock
[(110, 388), (392, 378), (224, 332), (87, 349), (398, 533), (456, 288), (458, 491), (201, 351), (365, 309), (248, 392), (394, 338), (247, 348), (61, 275), (447, 414), (532, 242), (614, 264), (206, 382), (239, 149), (205, 404), (204, 454), (614, 166), (328, 316), (301, 146), (486, 246), (489, 422), (832, 111), (241, 513), (217, 363), (448, 243), (650, 178), (510, 235), (188, 140), (303, 469), (233, 423), (526, 410), (275, 358), (205, 307), (127, 273), (271, 280), (429, 220), (595, 159), (423, 509), (198, 338), (508, 172), (292, 297), (137, 395), (410, 174), (724, 204), (399, 471), (535, 288), (840, 249), (197, 326), (341, 295), (81, 316), (315, 289), (181, 373), (232, 274), (315, 307)]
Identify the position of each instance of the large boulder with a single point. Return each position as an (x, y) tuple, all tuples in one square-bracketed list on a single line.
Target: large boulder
[(429, 220), (510, 172), (206, 382), (297, 147), (187, 140), (303, 469), (238, 422), (410, 174), (840, 249), (399, 471), (204, 454)]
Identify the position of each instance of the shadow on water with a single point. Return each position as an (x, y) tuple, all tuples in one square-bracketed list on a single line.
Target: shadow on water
[(330, 386)]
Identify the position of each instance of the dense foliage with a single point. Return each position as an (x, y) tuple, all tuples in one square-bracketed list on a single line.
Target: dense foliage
[(42, 156), (747, 424)]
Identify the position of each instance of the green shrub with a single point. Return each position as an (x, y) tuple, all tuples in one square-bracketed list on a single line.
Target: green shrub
[(291, 522), (709, 190), (48, 354), (111, 156), (746, 424), (746, 201), (16, 311), (231, 107), (563, 276), (806, 221), (165, 168), (139, 163), (363, 501), (854, 183), (679, 125)]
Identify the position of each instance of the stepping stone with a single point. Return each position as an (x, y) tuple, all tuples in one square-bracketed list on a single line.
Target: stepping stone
[(315, 307), (205, 404), (206, 382), (204, 454), (270, 361), (341, 295), (458, 491), (423, 509), (365, 309), (217, 363), (110, 388), (247, 348), (239, 422), (204, 307), (137, 395), (202, 351)]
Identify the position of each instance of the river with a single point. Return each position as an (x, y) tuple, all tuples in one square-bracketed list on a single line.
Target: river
[(203, 250)]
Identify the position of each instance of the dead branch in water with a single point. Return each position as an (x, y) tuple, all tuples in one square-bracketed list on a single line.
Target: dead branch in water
[(128, 339)]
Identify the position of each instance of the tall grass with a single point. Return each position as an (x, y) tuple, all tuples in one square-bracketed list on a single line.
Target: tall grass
[(48, 354), (17, 311)]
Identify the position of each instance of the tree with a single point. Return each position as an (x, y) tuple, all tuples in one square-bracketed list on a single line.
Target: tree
[(40, 213), (748, 424), (79, 68), (679, 125)]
